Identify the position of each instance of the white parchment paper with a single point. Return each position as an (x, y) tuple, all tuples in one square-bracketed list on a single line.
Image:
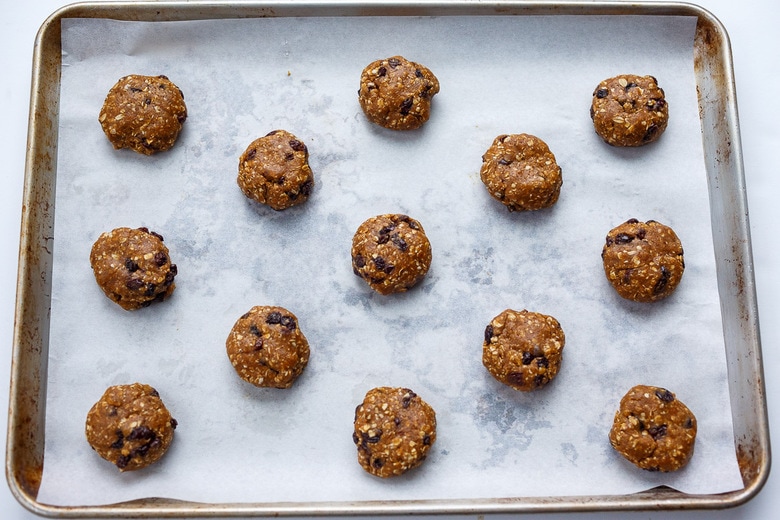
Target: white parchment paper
[(243, 78)]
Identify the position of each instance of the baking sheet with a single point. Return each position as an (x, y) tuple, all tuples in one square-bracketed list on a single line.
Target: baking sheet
[(243, 78)]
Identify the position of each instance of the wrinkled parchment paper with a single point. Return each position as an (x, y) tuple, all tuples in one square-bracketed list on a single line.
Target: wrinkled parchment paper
[(243, 78)]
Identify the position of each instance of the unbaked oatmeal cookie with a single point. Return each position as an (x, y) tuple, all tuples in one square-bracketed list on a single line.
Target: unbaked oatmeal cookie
[(523, 349), (629, 110), (133, 267), (394, 431), (267, 348), (396, 93), (391, 253), (521, 172), (274, 170), (130, 426), (143, 113), (653, 429), (643, 261)]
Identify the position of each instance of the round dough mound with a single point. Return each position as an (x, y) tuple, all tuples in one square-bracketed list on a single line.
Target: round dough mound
[(129, 426), (629, 110), (523, 349), (394, 431), (391, 253), (274, 170), (133, 267), (643, 260), (653, 429), (396, 93), (520, 171), (267, 348), (143, 113)]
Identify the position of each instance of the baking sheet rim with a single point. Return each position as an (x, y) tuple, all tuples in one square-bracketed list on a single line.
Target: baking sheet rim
[(40, 162)]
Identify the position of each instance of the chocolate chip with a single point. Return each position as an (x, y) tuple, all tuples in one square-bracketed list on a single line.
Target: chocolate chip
[(623, 238), (287, 322), (602, 93), (652, 130), (122, 461), (406, 106), (660, 285), (407, 399), (488, 333), (399, 242), (120, 440), (297, 145), (527, 358), (381, 72), (141, 433), (418, 73), (134, 284), (377, 463), (130, 265), (274, 318), (664, 395), (657, 432)]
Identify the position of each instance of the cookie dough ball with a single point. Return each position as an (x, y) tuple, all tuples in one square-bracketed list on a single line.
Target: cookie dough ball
[(130, 427), (391, 253), (274, 170), (133, 267), (629, 110), (267, 348), (143, 113), (653, 429), (394, 431), (520, 171), (523, 349), (643, 260), (396, 93)]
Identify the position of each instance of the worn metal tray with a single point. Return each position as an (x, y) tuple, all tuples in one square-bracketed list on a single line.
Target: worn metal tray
[(723, 161)]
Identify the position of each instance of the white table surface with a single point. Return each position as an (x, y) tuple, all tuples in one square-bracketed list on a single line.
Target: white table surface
[(755, 41)]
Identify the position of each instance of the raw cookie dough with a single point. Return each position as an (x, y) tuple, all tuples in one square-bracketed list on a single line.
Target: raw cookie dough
[(133, 267), (523, 349), (520, 171), (394, 431), (143, 113), (643, 260), (629, 110), (391, 253), (396, 93), (267, 348), (653, 429), (129, 426), (274, 170)]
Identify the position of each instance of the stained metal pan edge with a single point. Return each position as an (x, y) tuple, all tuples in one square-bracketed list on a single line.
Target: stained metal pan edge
[(731, 235)]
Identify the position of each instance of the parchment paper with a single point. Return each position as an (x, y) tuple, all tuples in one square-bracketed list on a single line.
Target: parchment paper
[(243, 78)]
